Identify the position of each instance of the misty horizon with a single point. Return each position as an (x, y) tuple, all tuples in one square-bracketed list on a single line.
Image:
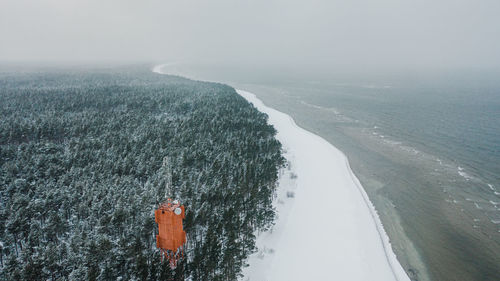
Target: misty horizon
[(314, 34)]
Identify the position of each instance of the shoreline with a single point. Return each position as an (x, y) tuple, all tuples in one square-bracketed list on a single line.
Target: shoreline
[(354, 246), (265, 240)]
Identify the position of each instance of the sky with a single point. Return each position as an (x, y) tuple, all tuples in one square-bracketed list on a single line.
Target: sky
[(354, 33)]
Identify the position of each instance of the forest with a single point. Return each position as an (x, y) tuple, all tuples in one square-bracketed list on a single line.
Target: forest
[(86, 156)]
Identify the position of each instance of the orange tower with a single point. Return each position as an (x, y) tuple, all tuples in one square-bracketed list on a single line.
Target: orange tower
[(171, 236)]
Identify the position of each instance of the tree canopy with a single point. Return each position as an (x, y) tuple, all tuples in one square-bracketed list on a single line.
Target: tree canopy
[(86, 157)]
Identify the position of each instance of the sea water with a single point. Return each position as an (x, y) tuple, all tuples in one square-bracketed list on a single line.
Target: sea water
[(425, 146)]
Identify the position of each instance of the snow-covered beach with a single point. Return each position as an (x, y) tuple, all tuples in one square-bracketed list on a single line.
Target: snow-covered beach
[(327, 228)]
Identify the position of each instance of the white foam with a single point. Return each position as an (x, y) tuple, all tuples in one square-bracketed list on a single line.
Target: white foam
[(312, 105), (463, 174)]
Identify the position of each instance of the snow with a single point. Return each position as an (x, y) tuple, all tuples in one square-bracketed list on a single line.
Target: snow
[(158, 68), (329, 229)]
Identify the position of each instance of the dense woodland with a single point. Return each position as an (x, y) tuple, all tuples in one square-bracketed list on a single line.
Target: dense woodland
[(86, 156)]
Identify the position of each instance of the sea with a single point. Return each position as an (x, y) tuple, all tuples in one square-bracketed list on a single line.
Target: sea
[(424, 144)]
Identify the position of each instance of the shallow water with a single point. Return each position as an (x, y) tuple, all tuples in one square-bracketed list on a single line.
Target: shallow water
[(425, 147)]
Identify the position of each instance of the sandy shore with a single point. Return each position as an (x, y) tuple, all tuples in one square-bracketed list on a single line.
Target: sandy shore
[(327, 228)]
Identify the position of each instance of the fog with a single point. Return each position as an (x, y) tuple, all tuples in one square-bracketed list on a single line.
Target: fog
[(333, 33)]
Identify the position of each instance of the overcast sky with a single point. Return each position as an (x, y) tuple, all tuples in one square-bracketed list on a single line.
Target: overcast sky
[(402, 33)]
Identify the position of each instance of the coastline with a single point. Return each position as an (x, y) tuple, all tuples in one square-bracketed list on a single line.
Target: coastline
[(379, 263), (326, 227)]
